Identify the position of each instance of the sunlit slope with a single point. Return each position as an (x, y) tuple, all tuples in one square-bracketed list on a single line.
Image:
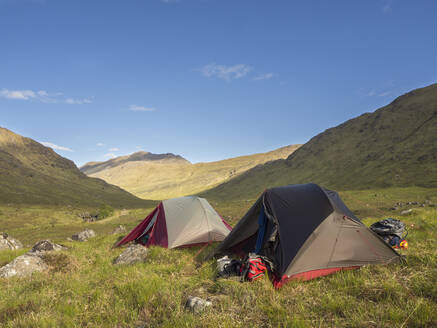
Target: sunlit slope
[(395, 146), (33, 174), (166, 179)]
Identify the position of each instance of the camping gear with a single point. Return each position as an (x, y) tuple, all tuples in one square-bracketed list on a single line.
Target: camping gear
[(253, 268), (180, 222), (305, 231), (392, 231), (227, 267)]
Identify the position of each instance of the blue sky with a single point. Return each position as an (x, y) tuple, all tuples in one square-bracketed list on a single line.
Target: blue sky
[(206, 79)]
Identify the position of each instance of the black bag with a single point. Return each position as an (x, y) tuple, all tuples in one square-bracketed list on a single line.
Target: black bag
[(228, 267), (391, 230)]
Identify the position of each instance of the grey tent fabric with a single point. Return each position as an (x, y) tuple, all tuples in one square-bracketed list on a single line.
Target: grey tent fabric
[(192, 220), (310, 230)]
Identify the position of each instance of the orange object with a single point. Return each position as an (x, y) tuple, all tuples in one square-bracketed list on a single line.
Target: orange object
[(404, 244)]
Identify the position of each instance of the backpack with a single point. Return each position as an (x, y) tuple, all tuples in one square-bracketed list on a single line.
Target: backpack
[(253, 268), (392, 231)]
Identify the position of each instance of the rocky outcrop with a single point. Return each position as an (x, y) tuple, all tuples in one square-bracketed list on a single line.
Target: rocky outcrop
[(7, 242), (46, 246), (84, 235), (119, 229), (32, 261), (135, 253), (23, 266)]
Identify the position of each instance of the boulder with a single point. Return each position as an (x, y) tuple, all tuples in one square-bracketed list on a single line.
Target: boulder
[(84, 235), (46, 246), (197, 304), (119, 229), (7, 242), (135, 253), (23, 266)]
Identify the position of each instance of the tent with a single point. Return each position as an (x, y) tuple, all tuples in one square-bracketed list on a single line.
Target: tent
[(305, 231), (179, 222)]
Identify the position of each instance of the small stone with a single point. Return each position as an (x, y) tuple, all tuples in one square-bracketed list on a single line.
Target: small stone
[(46, 246), (197, 304), (141, 324), (406, 212), (135, 253), (7, 242), (119, 229), (23, 266), (84, 235)]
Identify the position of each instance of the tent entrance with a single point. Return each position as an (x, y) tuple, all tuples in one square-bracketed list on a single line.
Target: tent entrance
[(144, 237)]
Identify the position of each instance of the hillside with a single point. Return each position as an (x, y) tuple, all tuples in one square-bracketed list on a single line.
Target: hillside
[(33, 174), (141, 156), (395, 146), (174, 176)]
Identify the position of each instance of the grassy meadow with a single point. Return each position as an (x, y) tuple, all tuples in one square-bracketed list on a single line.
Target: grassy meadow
[(84, 289)]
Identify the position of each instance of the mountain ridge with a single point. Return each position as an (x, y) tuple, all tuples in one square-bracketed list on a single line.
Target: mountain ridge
[(96, 166), (31, 173), (394, 146), (159, 180)]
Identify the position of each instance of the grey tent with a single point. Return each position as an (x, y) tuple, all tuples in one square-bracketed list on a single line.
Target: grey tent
[(305, 231), (180, 222)]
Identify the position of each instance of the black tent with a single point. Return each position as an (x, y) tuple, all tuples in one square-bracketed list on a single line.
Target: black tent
[(306, 231)]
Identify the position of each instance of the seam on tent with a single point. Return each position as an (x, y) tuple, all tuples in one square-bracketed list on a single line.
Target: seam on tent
[(336, 238), (206, 218)]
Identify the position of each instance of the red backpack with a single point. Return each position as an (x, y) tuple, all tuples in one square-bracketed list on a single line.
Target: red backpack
[(253, 269)]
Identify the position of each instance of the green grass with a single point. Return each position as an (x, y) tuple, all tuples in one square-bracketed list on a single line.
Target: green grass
[(84, 288)]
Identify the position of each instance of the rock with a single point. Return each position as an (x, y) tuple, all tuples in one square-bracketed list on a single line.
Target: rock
[(7, 242), (141, 324), (135, 253), (406, 212), (46, 245), (87, 217), (23, 266), (84, 235), (197, 304), (119, 229)]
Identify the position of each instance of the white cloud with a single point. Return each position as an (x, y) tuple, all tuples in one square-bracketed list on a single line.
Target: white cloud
[(99, 144), (136, 108), (387, 6), (110, 155), (42, 96), (72, 101), (17, 94), (224, 72), (114, 149), (53, 146), (266, 76), (385, 93)]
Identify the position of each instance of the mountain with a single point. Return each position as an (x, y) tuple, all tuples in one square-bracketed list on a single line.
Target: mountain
[(141, 156), (168, 175), (395, 146), (33, 174)]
